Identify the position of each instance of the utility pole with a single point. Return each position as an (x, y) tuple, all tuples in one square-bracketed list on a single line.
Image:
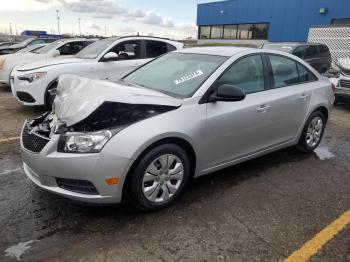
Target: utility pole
[(58, 22), (10, 26), (105, 31), (79, 27)]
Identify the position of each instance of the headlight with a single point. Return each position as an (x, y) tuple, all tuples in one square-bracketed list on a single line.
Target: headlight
[(32, 77), (2, 62), (84, 142)]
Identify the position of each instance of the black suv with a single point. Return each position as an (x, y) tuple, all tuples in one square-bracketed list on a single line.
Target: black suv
[(317, 55)]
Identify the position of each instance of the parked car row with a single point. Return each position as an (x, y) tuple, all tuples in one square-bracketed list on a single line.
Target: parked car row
[(110, 59), (37, 52), (28, 42), (162, 119)]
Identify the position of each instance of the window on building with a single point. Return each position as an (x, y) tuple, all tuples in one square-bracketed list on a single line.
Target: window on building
[(237, 31), (217, 32), (245, 31), (345, 21), (260, 31), (204, 32), (230, 32)]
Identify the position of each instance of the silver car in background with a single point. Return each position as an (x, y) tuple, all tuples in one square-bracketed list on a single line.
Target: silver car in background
[(183, 115)]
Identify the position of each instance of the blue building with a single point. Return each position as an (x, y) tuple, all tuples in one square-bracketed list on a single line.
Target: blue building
[(40, 34), (272, 20)]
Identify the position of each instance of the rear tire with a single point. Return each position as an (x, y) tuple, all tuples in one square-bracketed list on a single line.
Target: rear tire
[(313, 132), (159, 177)]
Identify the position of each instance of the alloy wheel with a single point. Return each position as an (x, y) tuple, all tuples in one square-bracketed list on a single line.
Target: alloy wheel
[(314, 131)]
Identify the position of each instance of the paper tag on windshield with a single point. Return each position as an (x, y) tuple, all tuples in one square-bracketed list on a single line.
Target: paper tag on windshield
[(188, 77)]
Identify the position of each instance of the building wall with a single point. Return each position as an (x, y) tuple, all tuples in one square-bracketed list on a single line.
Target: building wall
[(289, 20)]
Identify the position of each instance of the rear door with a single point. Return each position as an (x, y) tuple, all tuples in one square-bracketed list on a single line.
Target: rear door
[(290, 97), (130, 56)]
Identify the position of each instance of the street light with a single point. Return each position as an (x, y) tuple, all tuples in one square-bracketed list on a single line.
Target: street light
[(79, 27), (58, 22)]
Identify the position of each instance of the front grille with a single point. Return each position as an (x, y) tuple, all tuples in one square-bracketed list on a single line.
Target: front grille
[(78, 186), (344, 83), (31, 141)]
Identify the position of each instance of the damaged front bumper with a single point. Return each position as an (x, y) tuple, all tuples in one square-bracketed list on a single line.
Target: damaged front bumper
[(80, 177)]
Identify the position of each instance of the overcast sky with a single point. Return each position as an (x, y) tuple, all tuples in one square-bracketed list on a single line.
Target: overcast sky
[(168, 18)]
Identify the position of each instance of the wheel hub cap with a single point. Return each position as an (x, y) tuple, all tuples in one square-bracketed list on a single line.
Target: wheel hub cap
[(162, 178)]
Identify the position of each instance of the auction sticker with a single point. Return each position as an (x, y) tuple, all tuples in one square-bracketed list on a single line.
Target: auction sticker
[(188, 77)]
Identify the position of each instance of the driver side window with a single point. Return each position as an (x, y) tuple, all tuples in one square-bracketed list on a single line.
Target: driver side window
[(128, 50), (247, 74)]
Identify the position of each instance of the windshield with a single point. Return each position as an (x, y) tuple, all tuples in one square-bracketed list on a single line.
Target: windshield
[(284, 48), (31, 48), (176, 74), (48, 48), (23, 43), (95, 49)]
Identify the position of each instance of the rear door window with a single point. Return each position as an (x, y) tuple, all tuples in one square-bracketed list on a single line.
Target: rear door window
[(284, 71), (305, 75), (155, 48), (288, 72)]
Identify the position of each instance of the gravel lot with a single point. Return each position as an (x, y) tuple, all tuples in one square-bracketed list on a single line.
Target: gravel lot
[(262, 210)]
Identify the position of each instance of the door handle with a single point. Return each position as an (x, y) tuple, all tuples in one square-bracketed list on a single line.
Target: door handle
[(263, 108), (303, 96)]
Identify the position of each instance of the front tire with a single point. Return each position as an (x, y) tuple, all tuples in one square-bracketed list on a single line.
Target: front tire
[(312, 132), (159, 177), (50, 95)]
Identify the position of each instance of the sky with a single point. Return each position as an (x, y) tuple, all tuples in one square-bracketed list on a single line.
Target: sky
[(165, 18)]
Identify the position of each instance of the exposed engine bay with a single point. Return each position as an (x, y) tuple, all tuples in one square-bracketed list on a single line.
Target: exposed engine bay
[(109, 115)]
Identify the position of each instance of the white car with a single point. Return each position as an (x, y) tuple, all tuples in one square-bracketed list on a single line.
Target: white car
[(64, 47), (108, 59)]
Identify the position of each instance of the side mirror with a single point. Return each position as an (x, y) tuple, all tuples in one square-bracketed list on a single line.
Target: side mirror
[(55, 53), (227, 93), (110, 56)]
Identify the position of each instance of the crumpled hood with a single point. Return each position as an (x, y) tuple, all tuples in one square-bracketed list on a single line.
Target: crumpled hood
[(78, 97), (49, 62), (344, 63)]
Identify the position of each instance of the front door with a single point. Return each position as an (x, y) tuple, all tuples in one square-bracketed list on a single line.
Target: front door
[(235, 129)]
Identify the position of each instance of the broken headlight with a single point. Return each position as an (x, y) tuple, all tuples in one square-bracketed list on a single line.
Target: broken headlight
[(84, 142)]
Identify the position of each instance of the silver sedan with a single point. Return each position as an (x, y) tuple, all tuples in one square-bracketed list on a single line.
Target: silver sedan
[(183, 115)]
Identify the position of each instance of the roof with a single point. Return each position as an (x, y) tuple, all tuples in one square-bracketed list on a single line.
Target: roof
[(292, 44), (219, 51)]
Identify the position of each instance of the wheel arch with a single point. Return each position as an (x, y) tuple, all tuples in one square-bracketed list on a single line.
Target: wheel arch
[(51, 83), (183, 143)]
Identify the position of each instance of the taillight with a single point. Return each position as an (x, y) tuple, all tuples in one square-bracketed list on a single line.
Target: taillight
[(333, 88)]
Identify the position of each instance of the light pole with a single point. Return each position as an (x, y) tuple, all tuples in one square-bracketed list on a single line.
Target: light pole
[(79, 27), (58, 22)]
